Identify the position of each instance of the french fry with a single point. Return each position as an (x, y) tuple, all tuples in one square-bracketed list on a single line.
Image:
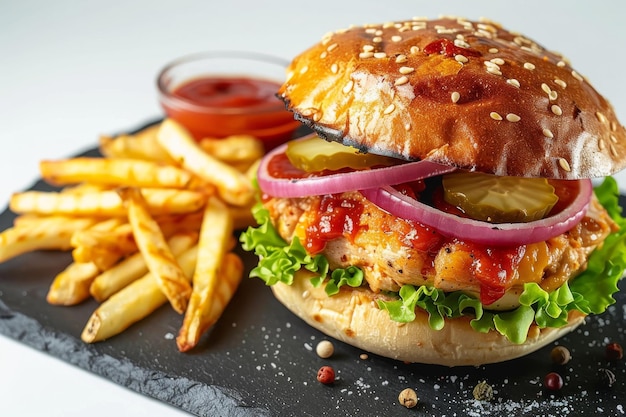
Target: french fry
[(103, 248), (71, 286), (133, 303), (142, 145), (236, 149), (215, 235), (242, 217), (230, 274), (232, 186), (134, 267), (105, 203), (50, 233), (122, 172), (158, 256)]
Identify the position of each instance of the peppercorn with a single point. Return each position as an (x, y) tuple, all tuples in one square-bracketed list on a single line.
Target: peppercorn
[(325, 349), (408, 398), (607, 378), (483, 391), (614, 351), (553, 381), (560, 355), (326, 375)]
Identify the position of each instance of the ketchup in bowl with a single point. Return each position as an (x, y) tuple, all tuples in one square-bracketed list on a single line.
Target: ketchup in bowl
[(222, 94)]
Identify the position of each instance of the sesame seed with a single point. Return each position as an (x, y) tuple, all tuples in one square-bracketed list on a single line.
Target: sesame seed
[(348, 87), (577, 76), (461, 58), (331, 47), (548, 133), (380, 55), (493, 50), (613, 138), (390, 108), (377, 39), (601, 144), (561, 64), (406, 70), (401, 59), (368, 48), (366, 55), (613, 126), (553, 95), (513, 82), (396, 38), (529, 66), (334, 68), (494, 70), (323, 55), (461, 43), (546, 89), (414, 49), (495, 116), (304, 69), (455, 96), (556, 110), (560, 83), (564, 164), (601, 117), (401, 81), (379, 33), (497, 61), (512, 117), (407, 126), (309, 111), (613, 150)]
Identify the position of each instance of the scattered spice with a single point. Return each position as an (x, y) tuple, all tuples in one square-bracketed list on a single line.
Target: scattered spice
[(408, 398), (607, 377), (560, 355), (326, 375), (614, 351), (325, 349), (483, 391), (553, 381)]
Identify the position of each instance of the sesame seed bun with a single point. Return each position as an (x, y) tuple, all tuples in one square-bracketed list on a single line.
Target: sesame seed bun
[(353, 317), (468, 94)]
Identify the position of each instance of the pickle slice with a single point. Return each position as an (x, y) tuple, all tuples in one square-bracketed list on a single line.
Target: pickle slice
[(315, 154), (498, 199)]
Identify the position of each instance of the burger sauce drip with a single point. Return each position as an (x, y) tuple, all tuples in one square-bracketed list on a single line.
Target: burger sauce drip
[(493, 267), (448, 48), (336, 217)]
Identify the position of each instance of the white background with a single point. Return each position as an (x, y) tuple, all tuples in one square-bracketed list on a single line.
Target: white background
[(72, 70)]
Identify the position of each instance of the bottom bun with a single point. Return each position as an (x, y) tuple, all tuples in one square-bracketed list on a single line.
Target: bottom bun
[(353, 317)]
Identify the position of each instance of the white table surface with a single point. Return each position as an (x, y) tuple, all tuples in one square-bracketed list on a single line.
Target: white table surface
[(72, 70)]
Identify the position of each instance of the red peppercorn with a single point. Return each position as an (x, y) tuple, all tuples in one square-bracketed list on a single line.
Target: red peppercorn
[(326, 375), (553, 381), (614, 351)]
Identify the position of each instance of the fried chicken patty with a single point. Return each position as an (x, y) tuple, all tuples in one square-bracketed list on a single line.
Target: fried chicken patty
[(392, 251)]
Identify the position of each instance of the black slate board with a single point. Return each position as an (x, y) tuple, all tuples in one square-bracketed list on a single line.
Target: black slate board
[(259, 360)]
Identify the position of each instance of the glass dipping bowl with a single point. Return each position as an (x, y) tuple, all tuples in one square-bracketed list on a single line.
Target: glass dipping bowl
[(222, 93)]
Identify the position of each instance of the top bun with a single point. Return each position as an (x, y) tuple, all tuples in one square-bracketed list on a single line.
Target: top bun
[(467, 94)]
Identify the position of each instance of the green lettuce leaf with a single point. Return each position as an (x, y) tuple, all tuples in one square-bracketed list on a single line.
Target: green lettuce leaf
[(279, 261)]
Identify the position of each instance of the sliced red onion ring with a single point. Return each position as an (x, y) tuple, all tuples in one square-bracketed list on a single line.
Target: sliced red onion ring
[(392, 201), (339, 183)]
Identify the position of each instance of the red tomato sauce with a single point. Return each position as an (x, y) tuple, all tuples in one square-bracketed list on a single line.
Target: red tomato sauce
[(222, 106), (336, 217)]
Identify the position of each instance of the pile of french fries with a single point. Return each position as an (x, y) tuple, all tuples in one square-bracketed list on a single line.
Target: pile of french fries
[(150, 222)]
